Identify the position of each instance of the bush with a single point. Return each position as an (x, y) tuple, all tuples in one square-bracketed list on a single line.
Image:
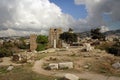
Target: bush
[(41, 47), (42, 42), (68, 37), (5, 52), (115, 49), (22, 45), (96, 34)]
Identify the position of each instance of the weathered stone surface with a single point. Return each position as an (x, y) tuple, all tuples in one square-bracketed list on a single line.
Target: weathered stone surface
[(116, 65), (68, 65), (54, 41), (10, 68), (53, 66), (71, 77), (33, 44), (88, 47), (15, 57)]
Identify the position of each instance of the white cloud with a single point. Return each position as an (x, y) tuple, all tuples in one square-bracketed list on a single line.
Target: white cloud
[(21, 17), (31, 16), (96, 9), (78, 2), (104, 29)]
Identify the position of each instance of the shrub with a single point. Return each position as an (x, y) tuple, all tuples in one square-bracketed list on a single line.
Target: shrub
[(41, 47), (22, 45), (5, 52), (115, 49), (42, 42)]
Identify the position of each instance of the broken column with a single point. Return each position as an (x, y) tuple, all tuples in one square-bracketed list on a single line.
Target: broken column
[(33, 44)]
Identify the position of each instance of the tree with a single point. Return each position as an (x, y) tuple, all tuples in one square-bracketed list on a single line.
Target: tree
[(41, 39), (42, 42), (70, 30), (96, 34), (115, 49), (68, 37)]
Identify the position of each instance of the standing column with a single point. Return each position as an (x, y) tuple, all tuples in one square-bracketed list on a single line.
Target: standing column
[(54, 43)]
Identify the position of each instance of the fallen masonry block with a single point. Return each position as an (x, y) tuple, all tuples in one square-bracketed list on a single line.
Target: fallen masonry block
[(116, 65), (10, 68), (65, 65), (53, 66)]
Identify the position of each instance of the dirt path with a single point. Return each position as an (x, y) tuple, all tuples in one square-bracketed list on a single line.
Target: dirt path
[(86, 75)]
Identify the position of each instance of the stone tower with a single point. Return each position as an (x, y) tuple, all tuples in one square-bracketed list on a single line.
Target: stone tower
[(54, 41), (33, 44)]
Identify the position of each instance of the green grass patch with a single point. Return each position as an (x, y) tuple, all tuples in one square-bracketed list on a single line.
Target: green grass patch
[(3, 69), (22, 73)]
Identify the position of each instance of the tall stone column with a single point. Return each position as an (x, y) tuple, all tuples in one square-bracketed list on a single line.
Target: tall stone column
[(54, 43), (33, 44)]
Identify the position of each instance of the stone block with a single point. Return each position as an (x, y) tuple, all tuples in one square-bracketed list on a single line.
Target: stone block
[(10, 68), (53, 66), (15, 57), (64, 65), (116, 65)]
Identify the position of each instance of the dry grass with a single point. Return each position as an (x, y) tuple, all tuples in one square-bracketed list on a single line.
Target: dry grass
[(22, 73)]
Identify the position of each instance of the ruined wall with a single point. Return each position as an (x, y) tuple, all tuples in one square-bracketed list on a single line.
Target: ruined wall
[(54, 41), (33, 44)]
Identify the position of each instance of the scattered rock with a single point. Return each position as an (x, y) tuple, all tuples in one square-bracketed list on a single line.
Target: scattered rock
[(10, 68), (65, 65), (116, 65), (88, 47), (71, 77), (87, 55), (15, 57), (53, 58), (30, 61), (86, 67), (53, 66)]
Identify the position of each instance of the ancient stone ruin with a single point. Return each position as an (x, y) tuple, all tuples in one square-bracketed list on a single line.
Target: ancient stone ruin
[(54, 41), (33, 44), (63, 65)]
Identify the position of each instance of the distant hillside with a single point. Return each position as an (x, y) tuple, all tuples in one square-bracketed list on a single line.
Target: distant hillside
[(88, 34), (84, 34), (113, 32)]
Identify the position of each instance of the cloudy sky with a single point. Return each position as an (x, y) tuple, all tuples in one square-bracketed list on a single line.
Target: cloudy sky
[(24, 17)]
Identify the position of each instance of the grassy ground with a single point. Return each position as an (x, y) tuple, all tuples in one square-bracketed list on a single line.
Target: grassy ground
[(22, 73)]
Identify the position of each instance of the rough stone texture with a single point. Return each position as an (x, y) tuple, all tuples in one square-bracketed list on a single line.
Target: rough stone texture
[(116, 65), (10, 68), (15, 57), (54, 38), (68, 65), (53, 66), (71, 77), (88, 47), (20, 58), (33, 44)]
